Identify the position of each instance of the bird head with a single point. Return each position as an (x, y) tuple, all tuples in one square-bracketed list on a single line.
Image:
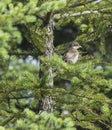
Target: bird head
[(76, 45)]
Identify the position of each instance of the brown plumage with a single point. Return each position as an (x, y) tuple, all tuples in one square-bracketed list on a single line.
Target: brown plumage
[(71, 56)]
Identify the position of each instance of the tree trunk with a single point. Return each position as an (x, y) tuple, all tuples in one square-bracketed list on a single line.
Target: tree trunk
[(46, 102)]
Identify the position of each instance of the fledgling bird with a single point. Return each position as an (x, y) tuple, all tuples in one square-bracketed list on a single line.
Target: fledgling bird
[(72, 55)]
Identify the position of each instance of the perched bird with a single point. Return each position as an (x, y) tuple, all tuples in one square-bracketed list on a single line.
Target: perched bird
[(71, 56)]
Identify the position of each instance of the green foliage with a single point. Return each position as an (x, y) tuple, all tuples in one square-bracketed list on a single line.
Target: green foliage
[(36, 36), (81, 92), (13, 14), (84, 93), (51, 6), (43, 121)]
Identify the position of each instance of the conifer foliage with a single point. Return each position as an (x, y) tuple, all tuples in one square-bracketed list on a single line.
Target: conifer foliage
[(38, 89)]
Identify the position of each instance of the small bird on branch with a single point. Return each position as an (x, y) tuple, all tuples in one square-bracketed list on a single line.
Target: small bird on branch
[(72, 54)]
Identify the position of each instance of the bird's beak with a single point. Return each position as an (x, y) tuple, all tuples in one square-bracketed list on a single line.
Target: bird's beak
[(79, 46)]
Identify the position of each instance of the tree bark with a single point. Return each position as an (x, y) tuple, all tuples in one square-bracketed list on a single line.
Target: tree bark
[(46, 102)]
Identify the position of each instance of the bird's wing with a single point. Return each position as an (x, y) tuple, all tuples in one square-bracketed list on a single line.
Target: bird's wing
[(70, 54)]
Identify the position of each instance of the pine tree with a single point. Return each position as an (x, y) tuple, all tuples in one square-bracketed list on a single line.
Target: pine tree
[(38, 89)]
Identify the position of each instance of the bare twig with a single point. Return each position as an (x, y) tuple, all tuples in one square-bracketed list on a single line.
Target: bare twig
[(104, 11)]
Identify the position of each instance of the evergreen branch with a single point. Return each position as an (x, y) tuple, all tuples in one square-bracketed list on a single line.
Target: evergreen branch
[(83, 13), (88, 97), (98, 37), (8, 120), (22, 53), (84, 96), (40, 17), (102, 122), (13, 90), (23, 97), (76, 4)]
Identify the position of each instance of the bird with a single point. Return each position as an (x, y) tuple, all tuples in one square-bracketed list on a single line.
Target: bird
[(72, 54)]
